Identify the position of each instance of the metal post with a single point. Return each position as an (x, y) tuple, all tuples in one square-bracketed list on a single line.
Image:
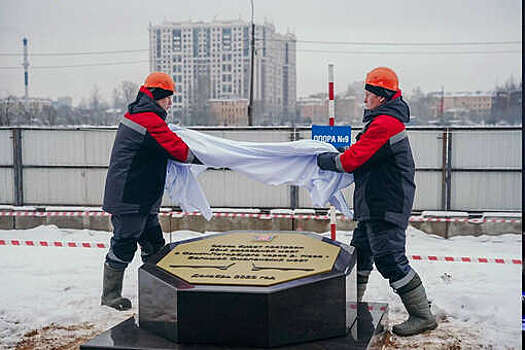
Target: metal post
[(250, 105), (17, 167), (449, 167), (26, 73), (444, 171), (294, 190)]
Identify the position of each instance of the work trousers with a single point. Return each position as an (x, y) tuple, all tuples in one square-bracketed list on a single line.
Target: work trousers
[(382, 243), (130, 229)]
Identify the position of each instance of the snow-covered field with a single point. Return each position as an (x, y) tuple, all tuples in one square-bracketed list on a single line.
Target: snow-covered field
[(50, 296)]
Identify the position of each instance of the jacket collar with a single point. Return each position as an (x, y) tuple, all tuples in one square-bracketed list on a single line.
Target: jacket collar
[(145, 103), (396, 108)]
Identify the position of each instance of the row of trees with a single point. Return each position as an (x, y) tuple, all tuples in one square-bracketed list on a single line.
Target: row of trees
[(96, 110), (93, 110)]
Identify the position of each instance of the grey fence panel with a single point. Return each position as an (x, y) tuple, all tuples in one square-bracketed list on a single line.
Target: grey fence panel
[(428, 191), (427, 148), (67, 167), (7, 191), (66, 147), (486, 149), (62, 186), (98, 145), (6, 145), (53, 147), (486, 191)]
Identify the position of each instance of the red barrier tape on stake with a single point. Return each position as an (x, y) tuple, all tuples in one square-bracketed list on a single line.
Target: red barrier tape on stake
[(433, 258), (255, 215)]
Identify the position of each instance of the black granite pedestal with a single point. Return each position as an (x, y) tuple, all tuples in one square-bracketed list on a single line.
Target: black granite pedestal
[(367, 332), (317, 311), (296, 311)]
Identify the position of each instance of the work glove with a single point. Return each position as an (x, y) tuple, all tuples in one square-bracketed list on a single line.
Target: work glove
[(192, 158), (330, 161), (196, 160)]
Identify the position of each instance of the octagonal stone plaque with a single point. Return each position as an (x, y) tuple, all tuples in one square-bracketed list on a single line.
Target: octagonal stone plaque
[(250, 259), (255, 289)]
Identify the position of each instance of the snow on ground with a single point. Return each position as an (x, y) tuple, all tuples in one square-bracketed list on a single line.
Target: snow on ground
[(51, 295)]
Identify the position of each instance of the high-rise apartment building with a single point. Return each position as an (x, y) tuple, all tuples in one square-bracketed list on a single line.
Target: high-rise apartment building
[(211, 60)]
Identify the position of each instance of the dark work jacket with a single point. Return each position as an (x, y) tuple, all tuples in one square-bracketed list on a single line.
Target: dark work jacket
[(137, 168), (383, 166)]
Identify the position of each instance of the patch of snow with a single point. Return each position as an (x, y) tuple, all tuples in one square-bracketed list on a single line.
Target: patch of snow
[(478, 304), (281, 211), (235, 210), (501, 215), (444, 214), (304, 211)]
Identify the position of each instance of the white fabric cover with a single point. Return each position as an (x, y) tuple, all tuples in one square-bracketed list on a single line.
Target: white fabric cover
[(291, 163)]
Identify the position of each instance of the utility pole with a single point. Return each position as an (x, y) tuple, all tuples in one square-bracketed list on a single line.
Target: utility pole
[(252, 64), (26, 73), (442, 106)]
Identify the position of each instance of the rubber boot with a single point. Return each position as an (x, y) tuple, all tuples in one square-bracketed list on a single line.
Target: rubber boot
[(112, 289), (420, 317)]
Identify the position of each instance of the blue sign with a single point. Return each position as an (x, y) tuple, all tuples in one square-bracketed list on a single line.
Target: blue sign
[(338, 136)]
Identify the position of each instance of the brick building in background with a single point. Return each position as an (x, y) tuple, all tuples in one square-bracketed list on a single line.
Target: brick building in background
[(455, 103), (229, 112), (314, 110)]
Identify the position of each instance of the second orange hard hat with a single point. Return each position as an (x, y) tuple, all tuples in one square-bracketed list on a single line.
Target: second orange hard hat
[(160, 80), (383, 77)]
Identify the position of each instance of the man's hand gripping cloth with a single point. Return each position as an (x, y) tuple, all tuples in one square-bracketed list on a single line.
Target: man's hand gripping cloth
[(291, 163)]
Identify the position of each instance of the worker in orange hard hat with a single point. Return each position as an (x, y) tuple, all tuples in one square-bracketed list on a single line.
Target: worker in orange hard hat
[(383, 167), (135, 181)]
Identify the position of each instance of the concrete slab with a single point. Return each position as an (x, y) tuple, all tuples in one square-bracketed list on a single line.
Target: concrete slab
[(27, 222), (71, 222), (7, 223), (99, 223)]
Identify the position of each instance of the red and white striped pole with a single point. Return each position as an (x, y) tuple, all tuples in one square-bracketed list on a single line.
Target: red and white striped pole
[(331, 122), (331, 104)]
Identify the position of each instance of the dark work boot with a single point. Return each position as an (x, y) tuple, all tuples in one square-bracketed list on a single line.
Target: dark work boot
[(420, 317), (112, 289)]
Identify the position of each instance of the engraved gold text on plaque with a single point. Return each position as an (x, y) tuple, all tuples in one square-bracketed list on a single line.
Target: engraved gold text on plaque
[(250, 259)]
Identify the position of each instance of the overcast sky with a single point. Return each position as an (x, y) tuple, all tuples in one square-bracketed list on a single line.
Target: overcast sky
[(97, 25)]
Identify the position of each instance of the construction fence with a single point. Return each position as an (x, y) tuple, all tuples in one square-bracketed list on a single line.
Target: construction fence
[(457, 168)]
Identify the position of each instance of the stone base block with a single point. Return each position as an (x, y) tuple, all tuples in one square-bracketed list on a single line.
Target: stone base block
[(367, 333)]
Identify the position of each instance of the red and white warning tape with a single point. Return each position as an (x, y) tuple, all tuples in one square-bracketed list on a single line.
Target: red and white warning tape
[(69, 244), (465, 259), (30, 243), (252, 215)]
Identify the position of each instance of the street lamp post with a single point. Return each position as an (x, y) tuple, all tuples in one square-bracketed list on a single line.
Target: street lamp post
[(250, 105)]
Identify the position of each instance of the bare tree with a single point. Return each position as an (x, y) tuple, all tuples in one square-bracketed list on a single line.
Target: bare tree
[(49, 115), (6, 111), (97, 106), (124, 94)]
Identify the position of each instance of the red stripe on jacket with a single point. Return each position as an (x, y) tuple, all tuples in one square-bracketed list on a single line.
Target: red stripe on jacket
[(381, 129), (160, 132)]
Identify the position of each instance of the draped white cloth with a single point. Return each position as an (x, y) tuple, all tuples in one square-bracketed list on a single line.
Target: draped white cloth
[(291, 163)]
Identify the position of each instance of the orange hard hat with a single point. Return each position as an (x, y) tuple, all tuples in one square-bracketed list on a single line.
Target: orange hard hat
[(160, 80), (383, 77)]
